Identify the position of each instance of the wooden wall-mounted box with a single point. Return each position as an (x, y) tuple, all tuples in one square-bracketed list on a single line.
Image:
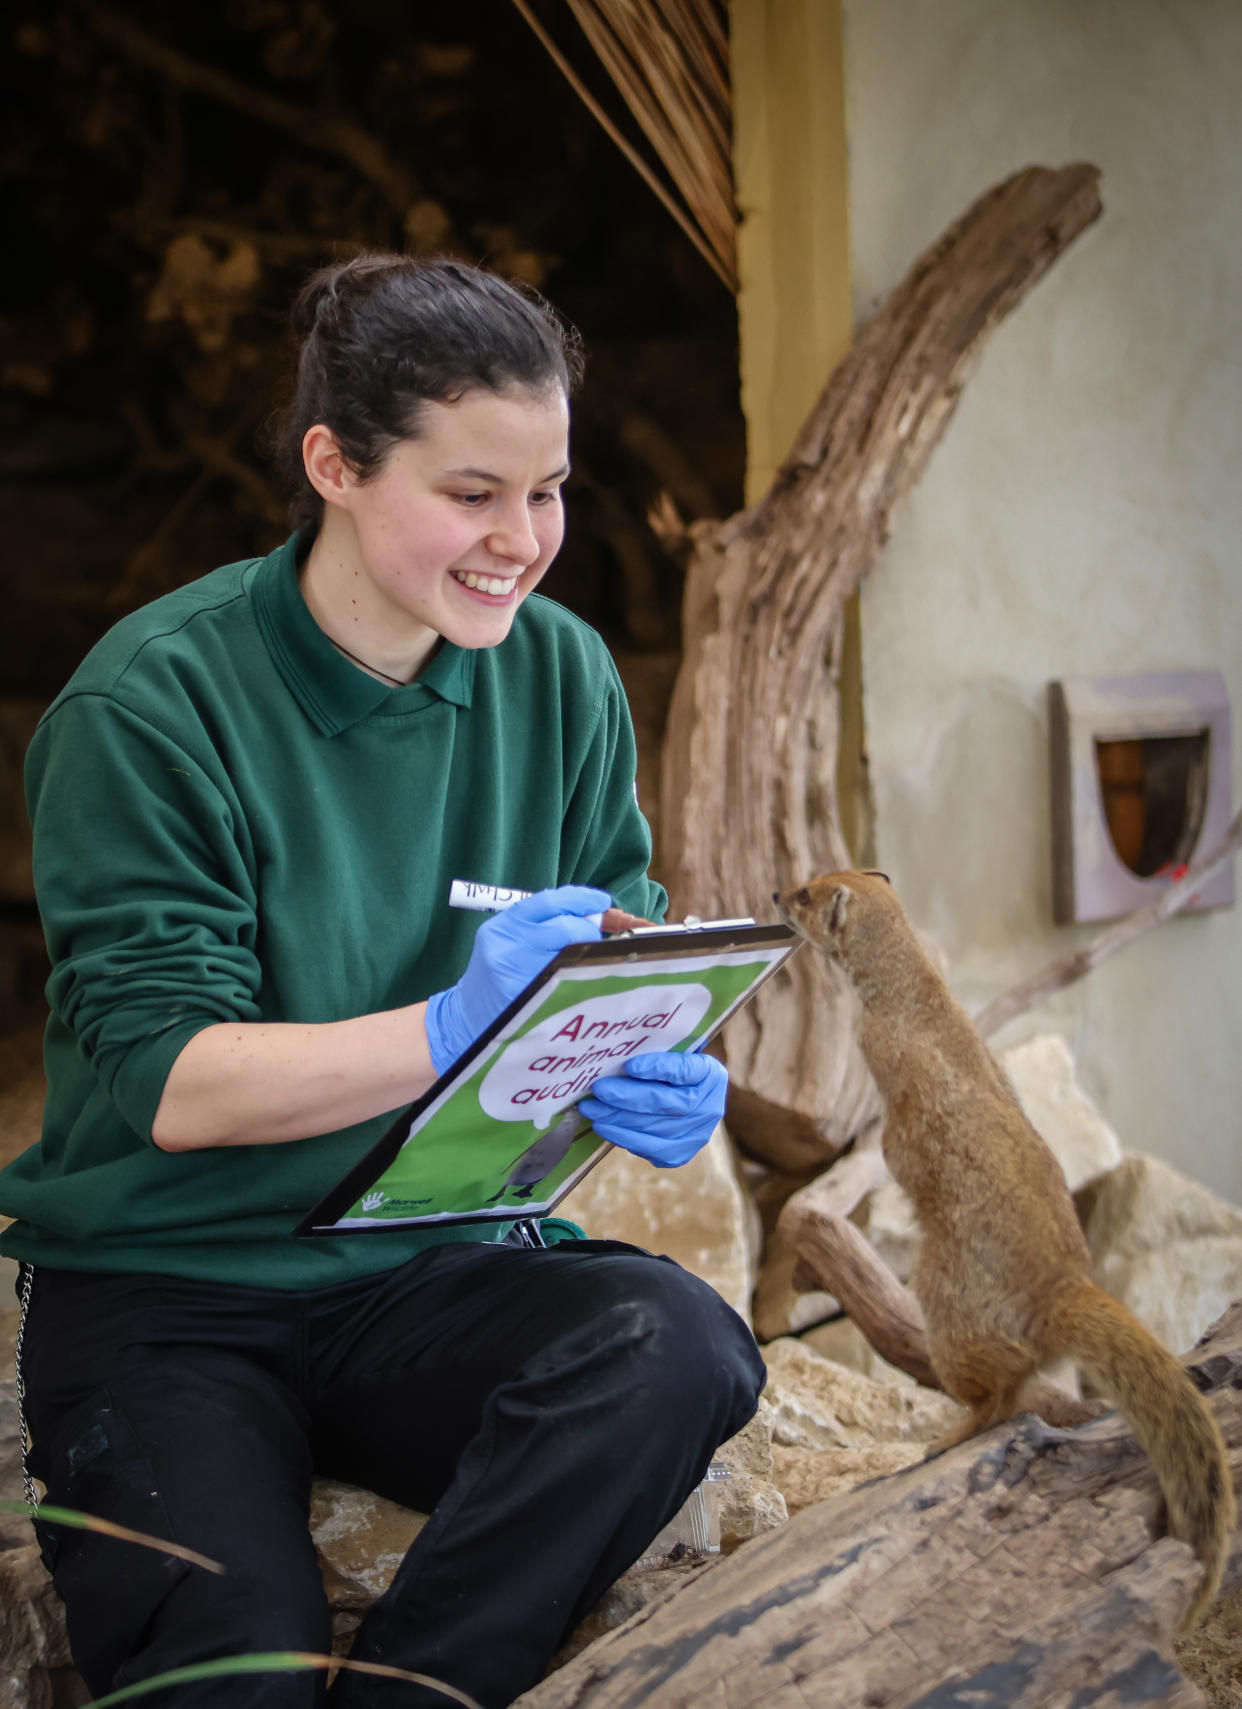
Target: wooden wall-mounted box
[(1141, 783)]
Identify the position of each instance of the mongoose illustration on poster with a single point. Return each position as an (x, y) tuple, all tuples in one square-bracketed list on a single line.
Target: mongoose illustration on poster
[(1003, 1272), (542, 1157)]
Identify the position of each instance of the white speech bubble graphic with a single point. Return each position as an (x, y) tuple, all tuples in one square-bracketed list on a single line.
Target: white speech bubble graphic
[(555, 1064)]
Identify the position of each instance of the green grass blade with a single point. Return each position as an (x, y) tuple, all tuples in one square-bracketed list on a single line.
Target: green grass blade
[(274, 1661), (106, 1528)]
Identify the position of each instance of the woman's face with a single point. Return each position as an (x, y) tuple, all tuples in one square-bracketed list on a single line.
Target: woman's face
[(460, 524)]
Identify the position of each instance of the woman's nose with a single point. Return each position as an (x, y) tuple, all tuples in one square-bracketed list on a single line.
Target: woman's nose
[(514, 540)]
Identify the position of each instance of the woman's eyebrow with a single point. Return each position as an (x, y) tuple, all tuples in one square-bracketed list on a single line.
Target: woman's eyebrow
[(499, 481)]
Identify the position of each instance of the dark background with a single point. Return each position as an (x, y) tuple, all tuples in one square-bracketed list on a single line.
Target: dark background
[(162, 232)]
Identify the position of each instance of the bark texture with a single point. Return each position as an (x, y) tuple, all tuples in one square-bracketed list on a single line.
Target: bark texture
[(748, 788), (1024, 1569)]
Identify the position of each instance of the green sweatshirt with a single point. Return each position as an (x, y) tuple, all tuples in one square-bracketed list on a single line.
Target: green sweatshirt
[(234, 823)]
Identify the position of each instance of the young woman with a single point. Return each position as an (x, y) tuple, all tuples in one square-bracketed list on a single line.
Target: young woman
[(249, 805)]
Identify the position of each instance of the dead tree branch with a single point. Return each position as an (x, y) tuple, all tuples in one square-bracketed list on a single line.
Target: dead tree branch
[(835, 1255), (749, 800)]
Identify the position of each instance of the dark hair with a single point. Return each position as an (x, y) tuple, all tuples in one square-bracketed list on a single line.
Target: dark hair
[(381, 335)]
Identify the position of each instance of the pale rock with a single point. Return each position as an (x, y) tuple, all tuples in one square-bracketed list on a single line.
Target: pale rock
[(749, 1500), (32, 1630), (808, 1475), (835, 1428), (697, 1214), (820, 1405), (1165, 1246), (361, 1540), (1041, 1071)]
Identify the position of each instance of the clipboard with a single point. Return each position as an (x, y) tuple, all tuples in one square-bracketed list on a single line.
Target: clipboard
[(498, 1138)]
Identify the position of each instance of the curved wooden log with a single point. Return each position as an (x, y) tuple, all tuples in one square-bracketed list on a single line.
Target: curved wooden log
[(846, 1265), (835, 1255), (1025, 1568), (748, 787)]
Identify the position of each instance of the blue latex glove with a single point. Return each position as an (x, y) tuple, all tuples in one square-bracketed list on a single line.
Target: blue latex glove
[(509, 950), (663, 1106)]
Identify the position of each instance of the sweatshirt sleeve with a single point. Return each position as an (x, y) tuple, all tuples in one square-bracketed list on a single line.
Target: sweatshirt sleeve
[(606, 841), (147, 903)]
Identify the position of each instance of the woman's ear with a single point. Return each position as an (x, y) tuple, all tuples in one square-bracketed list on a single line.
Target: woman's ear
[(326, 469)]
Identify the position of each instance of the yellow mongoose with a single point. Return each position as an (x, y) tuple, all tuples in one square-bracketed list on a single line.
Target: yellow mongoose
[(1003, 1274)]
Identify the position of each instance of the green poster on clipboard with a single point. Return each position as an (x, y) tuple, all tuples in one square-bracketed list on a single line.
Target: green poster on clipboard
[(498, 1137)]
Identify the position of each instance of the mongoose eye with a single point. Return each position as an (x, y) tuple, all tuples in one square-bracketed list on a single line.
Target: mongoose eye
[(869, 872)]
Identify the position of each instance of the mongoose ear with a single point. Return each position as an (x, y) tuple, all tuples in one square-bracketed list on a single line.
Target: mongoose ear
[(837, 907), (870, 872)]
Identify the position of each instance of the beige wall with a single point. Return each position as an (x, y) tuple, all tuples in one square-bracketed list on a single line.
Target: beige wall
[(1084, 512)]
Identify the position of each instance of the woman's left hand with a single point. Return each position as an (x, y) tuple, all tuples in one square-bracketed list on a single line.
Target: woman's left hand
[(663, 1106)]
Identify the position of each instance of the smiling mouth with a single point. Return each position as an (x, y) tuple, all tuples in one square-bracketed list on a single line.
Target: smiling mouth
[(497, 586)]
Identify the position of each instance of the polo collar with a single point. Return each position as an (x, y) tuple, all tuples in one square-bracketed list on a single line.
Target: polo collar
[(333, 693)]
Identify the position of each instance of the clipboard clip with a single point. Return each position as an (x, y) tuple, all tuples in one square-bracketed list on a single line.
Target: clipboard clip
[(691, 923)]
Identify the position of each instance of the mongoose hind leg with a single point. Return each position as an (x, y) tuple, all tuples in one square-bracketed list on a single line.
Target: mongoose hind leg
[(1057, 1408), (986, 1377)]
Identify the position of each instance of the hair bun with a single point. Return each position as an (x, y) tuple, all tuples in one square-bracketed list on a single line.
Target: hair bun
[(326, 290), (318, 294)]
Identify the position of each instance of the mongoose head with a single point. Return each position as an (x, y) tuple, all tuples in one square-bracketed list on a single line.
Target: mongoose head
[(825, 909)]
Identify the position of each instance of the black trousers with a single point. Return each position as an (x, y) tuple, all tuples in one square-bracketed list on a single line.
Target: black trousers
[(550, 1409)]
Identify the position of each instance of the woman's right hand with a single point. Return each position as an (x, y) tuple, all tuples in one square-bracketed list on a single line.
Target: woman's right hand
[(509, 950)]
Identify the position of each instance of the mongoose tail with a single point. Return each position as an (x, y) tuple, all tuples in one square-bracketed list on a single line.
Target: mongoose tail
[(1166, 1412)]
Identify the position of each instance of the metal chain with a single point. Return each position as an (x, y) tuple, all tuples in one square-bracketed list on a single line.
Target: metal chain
[(32, 1494)]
